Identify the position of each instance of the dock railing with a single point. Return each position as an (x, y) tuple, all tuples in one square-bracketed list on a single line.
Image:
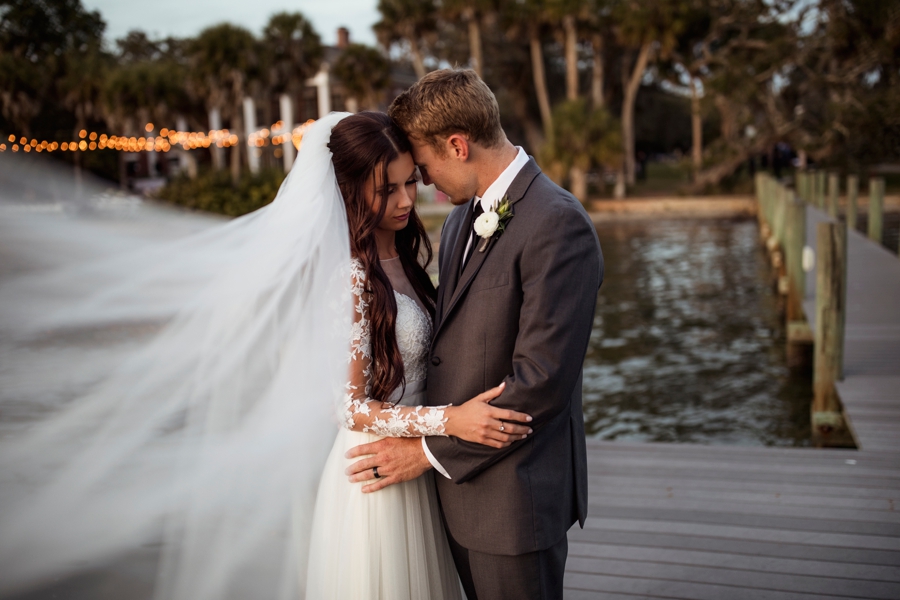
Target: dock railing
[(815, 341)]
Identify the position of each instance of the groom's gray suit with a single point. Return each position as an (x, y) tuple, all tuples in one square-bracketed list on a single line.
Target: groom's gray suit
[(519, 312)]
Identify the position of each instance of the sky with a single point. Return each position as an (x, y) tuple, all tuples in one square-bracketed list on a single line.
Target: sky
[(183, 18)]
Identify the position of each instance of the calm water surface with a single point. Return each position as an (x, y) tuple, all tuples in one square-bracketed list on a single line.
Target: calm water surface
[(687, 344)]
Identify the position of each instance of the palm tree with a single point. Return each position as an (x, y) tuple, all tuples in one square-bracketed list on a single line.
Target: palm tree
[(407, 21), (365, 73), (144, 91), (224, 61), (584, 138), (292, 51)]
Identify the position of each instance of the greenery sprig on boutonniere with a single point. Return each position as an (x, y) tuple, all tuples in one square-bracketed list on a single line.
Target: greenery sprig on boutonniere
[(493, 221)]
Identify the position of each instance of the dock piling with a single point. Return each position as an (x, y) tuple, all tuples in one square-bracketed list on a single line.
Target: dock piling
[(828, 423), (820, 189), (834, 182), (852, 194), (876, 208), (799, 335)]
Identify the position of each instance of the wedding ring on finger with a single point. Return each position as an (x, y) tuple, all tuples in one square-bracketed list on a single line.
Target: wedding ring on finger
[(502, 428), (375, 473)]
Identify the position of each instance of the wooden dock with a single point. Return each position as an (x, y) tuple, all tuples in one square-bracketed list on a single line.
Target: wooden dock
[(731, 523)]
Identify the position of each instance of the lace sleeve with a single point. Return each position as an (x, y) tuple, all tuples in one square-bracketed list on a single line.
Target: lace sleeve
[(361, 411)]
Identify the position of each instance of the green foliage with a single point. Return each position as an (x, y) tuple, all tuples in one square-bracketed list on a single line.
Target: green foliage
[(213, 191), (405, 19), (37, 41), (364, 71), (154, 88), (583, 137), (292, 51)]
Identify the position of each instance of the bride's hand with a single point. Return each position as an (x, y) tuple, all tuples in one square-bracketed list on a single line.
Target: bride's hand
[(478, 421)]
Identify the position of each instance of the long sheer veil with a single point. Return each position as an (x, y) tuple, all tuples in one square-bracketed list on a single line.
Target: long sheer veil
[(210, 434)]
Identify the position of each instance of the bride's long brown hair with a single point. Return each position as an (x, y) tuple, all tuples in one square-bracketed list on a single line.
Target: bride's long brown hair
[(362, 144)]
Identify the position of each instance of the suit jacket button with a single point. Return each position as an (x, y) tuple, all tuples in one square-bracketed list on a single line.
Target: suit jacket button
[(435, 360)]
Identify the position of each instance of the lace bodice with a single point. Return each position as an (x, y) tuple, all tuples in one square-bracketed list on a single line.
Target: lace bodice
[(413, 334), (413, 331)]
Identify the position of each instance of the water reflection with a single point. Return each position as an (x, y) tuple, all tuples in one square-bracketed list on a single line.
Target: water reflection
[(687, 343)]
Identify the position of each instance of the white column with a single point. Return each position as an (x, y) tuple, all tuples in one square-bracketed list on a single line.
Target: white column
[(323, 83), (186, 162), (218, 154), (286, 106), (250, 127)]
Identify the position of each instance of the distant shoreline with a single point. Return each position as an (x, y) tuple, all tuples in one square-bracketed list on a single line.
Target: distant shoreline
[(711, 207), (674, 207)]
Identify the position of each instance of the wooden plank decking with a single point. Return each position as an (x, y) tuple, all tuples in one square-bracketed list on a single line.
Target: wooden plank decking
[(720, 523)]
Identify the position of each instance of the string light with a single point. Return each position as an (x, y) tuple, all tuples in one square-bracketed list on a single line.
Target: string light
[(168, 139), (264, 136)]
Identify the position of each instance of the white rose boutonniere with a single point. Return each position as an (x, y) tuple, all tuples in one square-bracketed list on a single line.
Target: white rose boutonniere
[(493, 221)]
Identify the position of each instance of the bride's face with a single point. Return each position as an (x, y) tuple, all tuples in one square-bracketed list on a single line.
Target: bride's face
[(399, 192)]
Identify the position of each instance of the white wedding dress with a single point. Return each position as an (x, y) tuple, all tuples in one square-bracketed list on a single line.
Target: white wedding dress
[(390, 544)]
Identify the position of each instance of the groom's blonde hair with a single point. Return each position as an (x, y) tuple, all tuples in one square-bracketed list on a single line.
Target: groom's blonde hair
[(449, 101)]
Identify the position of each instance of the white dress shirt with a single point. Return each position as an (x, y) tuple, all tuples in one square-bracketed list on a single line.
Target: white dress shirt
[(492, 196)]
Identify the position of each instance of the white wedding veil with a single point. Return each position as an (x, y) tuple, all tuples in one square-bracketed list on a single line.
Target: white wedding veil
[(205, 438)]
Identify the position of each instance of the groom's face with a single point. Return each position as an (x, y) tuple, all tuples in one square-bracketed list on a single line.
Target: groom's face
[(448, 171)]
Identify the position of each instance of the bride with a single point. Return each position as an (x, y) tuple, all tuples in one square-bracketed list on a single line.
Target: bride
[(212, 436)]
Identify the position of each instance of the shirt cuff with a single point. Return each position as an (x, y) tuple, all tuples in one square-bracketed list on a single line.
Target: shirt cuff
[(434, 463)]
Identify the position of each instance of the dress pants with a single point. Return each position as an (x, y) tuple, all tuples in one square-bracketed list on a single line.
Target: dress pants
[(532, 576)]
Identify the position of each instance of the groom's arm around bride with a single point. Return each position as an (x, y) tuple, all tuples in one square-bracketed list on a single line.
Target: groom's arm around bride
[(516, 308)]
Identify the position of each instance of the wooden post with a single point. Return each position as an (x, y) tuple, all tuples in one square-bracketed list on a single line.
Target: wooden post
[(760, 181), (876, 208), (852, 193), (820, 189), (795, 240), (776, 242), (831, 293), (757, 186), (799, 334), (811, 187), (778, 213), (799, 182), (834, 182)]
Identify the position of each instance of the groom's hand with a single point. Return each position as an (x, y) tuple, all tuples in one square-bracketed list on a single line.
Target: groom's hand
[(397, 459)]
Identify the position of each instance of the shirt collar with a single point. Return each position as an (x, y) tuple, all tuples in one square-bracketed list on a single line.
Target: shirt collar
[(500, 186)]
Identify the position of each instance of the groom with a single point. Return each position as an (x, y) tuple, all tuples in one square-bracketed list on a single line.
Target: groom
[(514, 306)]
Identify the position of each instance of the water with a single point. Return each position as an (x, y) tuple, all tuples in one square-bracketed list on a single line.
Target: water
[(687, 344)]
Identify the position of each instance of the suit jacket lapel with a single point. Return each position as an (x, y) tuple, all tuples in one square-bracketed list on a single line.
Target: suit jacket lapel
[(450, 266), (515, 192)]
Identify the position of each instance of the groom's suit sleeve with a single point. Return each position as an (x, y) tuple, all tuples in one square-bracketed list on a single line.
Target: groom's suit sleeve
[(561, 271)]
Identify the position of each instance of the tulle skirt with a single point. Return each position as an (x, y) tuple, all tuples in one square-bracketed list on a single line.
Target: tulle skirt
[(387, 545)]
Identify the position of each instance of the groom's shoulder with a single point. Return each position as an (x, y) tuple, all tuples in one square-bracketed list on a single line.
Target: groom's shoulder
[(545, 199)]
